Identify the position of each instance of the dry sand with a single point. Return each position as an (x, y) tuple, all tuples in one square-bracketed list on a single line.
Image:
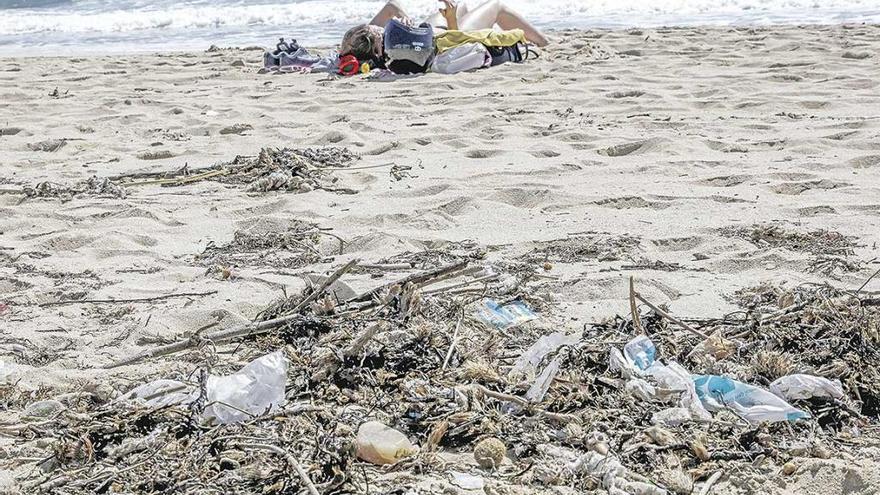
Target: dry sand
[(651, 146)]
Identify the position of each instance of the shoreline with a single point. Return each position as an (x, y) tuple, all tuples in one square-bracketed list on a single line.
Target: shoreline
[(35, 50)]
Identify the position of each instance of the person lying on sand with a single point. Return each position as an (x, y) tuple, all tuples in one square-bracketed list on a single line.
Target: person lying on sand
[(365, 41)]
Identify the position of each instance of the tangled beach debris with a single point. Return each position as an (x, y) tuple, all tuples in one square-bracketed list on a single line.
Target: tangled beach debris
[(444, 379), (273, 169)]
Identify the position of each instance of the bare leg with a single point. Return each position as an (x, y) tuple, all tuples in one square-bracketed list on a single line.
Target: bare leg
[(496, 12), (391, 10)]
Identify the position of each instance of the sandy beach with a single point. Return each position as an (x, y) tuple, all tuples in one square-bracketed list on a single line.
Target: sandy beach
[(701, 162)]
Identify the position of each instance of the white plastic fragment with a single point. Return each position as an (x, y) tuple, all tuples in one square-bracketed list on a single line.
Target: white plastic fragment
[(527, 363), (467, 481), (43, 408), (257, 389), (613, 476), (672, 416), (640, 389), (751, 403), (639, 360), (799, 386), (381, 444), (542, 384)]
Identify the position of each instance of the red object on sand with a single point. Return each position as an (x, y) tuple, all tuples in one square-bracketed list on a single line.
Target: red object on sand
[(349, 65)]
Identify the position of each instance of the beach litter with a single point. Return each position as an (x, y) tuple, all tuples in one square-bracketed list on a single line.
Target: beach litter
[(418, 374), (256, 389), (505, 316)]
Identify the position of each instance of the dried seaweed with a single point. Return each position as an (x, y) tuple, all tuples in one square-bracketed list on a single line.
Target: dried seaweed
[(585, 247), (273, 169), (817, 242), (94, 186), (294, 248), (413, 355)]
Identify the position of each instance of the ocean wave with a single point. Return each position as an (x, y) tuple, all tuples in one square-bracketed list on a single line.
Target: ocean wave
[(121, 16)]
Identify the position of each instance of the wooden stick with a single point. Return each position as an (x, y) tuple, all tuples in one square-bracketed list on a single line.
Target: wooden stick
[(868, 281), (637, 322), (327, 363), (179, 181), (470, 270), (560, 417), (253, 328), (487, 278), (707, 487), (291, 461), (139, 299), (454, 341), (670, 317), (416, 278)]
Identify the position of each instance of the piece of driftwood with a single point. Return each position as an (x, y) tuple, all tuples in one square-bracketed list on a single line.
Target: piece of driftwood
[(254, 328)]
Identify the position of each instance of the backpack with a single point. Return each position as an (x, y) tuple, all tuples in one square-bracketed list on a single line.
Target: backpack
[(408, 49)]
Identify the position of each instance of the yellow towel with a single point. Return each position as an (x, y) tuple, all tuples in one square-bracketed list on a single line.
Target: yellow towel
[(489, 37)]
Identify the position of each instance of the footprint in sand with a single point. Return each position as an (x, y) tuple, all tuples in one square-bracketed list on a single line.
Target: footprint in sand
[(856, 55), (522, 198), (726, 147), (865, 161), (626, 94), (725, 180), (49, 145), (636, 147), (64, 242), (813, 211), (678, 243), (459, 206), (793, 176), (331, 137), (482, 153), (155, 155), (236, 129), (627, 202), (545, 153), (840, 136), (419, 193), (382, 148)]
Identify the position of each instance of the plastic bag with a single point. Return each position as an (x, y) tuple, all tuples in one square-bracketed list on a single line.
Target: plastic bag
[(639, 359), (542, 384), (256, 389), (640, 352), (752, 403), (462, 58), (527, 363), (793, 387), (507, 316)]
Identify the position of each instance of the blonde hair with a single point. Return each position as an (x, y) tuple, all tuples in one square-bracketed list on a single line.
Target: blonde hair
[(361, 41)]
